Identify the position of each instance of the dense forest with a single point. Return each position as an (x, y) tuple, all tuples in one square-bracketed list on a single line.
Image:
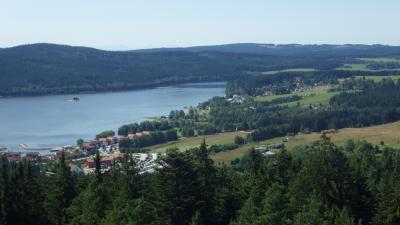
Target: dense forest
[(317, 184), (40, 69)]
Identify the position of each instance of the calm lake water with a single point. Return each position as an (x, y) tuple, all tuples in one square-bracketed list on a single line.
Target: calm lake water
[(55, 120)]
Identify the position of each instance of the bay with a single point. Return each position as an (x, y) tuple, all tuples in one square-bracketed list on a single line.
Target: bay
[(49, 121)]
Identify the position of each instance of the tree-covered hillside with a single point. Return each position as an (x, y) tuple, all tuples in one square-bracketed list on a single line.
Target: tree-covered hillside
[(55, 69), (52, 69)]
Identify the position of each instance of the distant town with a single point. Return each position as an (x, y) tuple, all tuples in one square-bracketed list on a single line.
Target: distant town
[(82, 157)]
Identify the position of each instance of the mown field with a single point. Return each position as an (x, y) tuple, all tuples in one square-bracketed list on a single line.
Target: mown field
[(389, 134), (378, 78), (289, 70), (362, 66), (192, 142), (382, 59), (318, 95)]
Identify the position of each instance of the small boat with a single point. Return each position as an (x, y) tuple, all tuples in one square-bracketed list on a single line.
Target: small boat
[(76, 99)]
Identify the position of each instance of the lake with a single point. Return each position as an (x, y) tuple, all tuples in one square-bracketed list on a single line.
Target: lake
[(49, 121)]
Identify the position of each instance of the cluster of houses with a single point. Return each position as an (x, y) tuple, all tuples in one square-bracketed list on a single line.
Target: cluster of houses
[(299, 87), (105, 161), (82, 157), (37, 157), (112, 141), (146, 162), (110, 155)]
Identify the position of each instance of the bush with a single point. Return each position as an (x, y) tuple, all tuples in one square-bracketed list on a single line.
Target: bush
[(239, 140)]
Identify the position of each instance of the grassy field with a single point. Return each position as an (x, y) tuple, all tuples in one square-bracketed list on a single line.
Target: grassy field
[(379, 78), (388, 133), (320, 98), (363, 65), (382, 59), (317, 95), (289, 70), (192, 142), (315, 90), (356, 67)]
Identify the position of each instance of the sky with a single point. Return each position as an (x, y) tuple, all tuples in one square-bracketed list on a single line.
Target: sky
[(134, 24)]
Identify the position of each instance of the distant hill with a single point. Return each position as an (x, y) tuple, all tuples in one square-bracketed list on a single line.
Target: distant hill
[(55, 69), (292, 49)]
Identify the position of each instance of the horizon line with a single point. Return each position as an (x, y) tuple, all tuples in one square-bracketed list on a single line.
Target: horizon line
[(193, 46)]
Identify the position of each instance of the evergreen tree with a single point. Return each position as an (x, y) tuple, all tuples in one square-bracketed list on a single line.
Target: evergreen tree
[(275, 208), (177, 188), (4, 190), (249, 212), (60, 194), (312, 212), (207, 180)]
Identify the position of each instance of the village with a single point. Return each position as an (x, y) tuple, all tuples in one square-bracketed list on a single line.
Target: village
[(82, 157)]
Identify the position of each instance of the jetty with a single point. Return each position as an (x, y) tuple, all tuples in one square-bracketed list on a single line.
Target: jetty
[(3, 148), (27, 148)]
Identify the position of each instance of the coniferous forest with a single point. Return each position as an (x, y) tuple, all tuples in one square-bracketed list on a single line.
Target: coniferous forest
[(316, 184)]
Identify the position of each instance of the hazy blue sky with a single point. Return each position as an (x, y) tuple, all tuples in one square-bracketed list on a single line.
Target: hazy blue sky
[(129, 24)]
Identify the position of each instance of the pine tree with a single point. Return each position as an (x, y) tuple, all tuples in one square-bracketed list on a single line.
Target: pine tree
[(176, 185), (275, 206), (4, 190), (60, 194), (97, 171), (249, 212), (206, 175), (312, 212), (196, 219)]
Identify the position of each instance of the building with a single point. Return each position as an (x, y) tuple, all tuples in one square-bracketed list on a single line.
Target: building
[(105, 161), (89, 145), (329, 131), (75, 169), (236, 99)]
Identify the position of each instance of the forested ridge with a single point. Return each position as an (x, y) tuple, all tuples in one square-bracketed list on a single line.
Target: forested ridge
[(317, 184), (54, 69), (40, 69)]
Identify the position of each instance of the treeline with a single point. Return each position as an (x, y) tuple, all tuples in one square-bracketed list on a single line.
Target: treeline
[(144, 126), (383, 65), (157, 137), (317, 184)]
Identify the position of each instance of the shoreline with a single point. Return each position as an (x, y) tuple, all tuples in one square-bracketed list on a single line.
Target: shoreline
[(145, 87)]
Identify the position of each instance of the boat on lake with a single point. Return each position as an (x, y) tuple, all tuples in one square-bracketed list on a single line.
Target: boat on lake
[(75, 99)]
